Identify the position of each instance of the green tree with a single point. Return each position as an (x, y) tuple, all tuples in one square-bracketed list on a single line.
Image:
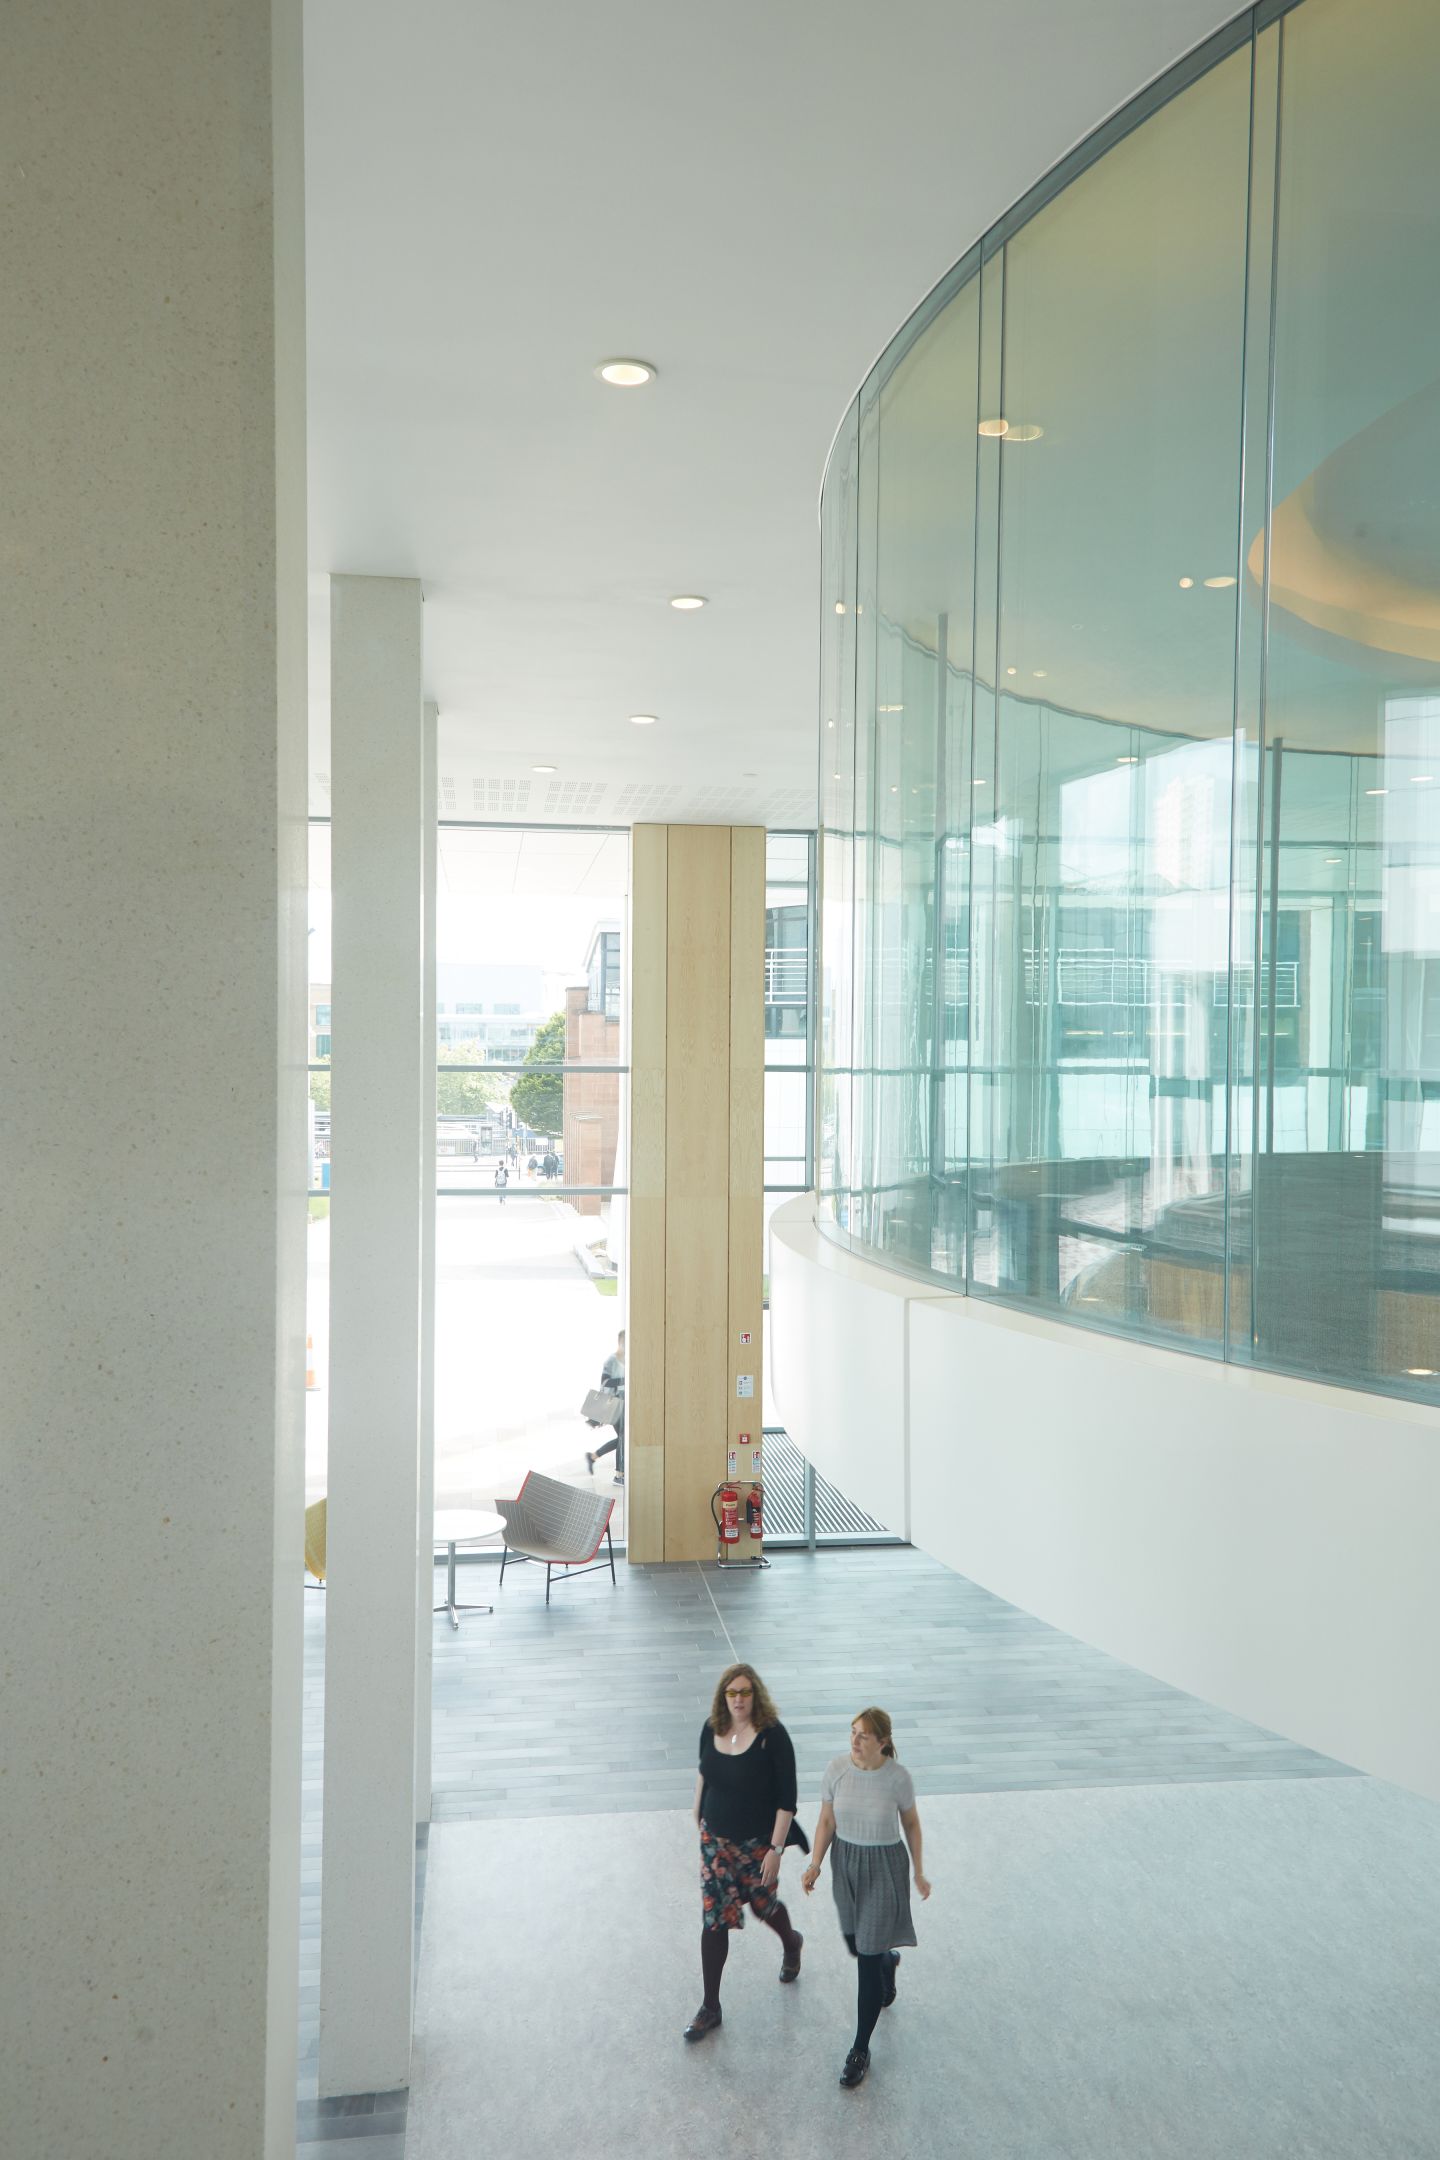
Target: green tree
[(538, 1098), (465, 1094), (320, 1090)]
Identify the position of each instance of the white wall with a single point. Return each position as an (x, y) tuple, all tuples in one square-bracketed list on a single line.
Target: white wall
[(1263, 1542)]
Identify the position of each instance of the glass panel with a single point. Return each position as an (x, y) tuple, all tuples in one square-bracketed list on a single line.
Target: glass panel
[(523, 1324), (785, 1100), (839, 512), (1347, 1001), (1130, 998), (1104, 857), (921, 651), (529, 994)]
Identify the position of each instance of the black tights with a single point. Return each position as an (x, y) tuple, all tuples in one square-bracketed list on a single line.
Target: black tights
[(715, 1948), (870, 1989)]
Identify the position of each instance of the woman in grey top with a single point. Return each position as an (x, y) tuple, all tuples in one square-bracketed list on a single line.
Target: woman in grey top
[(867, 1818)]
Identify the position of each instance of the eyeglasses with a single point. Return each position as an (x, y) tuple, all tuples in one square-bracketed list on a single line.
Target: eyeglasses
[(738, 1694)]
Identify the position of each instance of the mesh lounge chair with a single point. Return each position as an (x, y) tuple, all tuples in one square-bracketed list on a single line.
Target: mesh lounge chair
[(558, 1524)]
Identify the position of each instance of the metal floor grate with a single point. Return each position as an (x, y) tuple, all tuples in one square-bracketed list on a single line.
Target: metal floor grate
[(835, 1516)]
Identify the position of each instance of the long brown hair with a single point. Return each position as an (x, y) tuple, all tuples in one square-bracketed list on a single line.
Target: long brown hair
[(763, 1712), (877, 1722)]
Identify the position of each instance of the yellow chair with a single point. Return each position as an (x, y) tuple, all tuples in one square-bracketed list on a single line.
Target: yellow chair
[(315, 1540)]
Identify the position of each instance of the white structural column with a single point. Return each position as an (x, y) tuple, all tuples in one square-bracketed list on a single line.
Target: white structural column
[(152, 1143), (425, 1580), (377, 762)]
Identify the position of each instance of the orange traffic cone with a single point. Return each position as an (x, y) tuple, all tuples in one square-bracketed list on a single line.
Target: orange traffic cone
[(310, 1380)]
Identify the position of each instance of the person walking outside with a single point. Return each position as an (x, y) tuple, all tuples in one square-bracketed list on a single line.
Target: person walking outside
[(612, 1382), (867, 1818), (744, 1808), (502, 1179)]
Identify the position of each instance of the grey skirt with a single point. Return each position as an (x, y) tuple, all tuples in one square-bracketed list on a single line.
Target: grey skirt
[(872, 1895)]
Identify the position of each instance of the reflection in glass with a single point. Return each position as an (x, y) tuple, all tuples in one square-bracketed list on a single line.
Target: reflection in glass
[(1130, 731)]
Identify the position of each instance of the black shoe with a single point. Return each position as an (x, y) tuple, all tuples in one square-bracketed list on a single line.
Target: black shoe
[(857, 2062), (790, 1969), (704, 2021), (590, 1462), (887, 1994)]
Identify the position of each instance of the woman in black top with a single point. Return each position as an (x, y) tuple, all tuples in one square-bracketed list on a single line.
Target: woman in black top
[(744, 1807)]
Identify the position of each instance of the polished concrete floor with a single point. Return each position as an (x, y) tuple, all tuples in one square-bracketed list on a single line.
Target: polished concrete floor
[(1155, 1929), (1220, 1972)]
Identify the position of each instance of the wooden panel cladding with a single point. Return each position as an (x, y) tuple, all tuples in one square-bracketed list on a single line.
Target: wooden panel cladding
[(645, 1339), (697, 1192), (696, 1175)]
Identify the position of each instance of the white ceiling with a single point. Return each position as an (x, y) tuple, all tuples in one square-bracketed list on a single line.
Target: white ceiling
[(753, 198)]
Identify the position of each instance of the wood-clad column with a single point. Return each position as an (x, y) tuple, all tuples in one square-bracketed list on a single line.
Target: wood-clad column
[(696, 1154)]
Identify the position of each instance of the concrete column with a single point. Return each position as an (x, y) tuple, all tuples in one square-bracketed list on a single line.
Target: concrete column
[(425, 1579), (152, 1149), (377, 842)]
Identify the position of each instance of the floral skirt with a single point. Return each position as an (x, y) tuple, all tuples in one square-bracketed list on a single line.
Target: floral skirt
[(730, 1880)]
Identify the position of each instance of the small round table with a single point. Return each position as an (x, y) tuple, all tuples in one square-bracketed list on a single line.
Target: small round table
[(462, 1526)]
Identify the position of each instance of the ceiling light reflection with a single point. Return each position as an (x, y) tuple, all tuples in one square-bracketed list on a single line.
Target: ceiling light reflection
[(642, 719), (1218, 584), (993, 427), (688, 600)]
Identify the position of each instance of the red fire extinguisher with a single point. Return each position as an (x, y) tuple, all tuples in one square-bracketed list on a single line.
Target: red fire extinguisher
[(755, 1511), (729, 1515)]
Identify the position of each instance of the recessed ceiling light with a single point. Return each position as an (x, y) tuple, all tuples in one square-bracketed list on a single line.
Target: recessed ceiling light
[(1009, 671), (829, 723), (977, 783), (642, 719), (993, 427), (688, 600), (1421, 779), (1127, 761), (839, 607), (1186, 583), (1218, 584), (834, 776), (894, 791), (1041, 673), (626, 374), (543, 768), (1421, 1372), (1377, 791), (1334, 858), (1023, 431)]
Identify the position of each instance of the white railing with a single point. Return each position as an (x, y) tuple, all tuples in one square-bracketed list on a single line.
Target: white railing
[(787, 975)]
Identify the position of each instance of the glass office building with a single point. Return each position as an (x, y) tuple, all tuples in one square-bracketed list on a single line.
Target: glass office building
[(1130, 729)]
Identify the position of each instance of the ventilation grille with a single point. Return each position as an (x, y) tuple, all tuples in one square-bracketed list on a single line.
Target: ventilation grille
[(449, 801), (322, 781), (732, 804), (646, 797), (574, 798), (797, 803), (501, 798)]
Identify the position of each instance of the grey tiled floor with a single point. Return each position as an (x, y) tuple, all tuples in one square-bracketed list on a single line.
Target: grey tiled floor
[(594, 1706)]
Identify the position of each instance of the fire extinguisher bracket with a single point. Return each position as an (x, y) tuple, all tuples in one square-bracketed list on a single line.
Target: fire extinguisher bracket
[(725, 1513)]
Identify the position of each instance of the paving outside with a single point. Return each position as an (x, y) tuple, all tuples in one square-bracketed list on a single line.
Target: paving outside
[(521, 1332)]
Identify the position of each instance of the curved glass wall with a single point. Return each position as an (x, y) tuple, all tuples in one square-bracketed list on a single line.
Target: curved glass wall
[(1130, 728)]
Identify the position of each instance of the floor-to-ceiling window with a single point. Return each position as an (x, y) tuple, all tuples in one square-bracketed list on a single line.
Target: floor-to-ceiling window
[(530, 1124)]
